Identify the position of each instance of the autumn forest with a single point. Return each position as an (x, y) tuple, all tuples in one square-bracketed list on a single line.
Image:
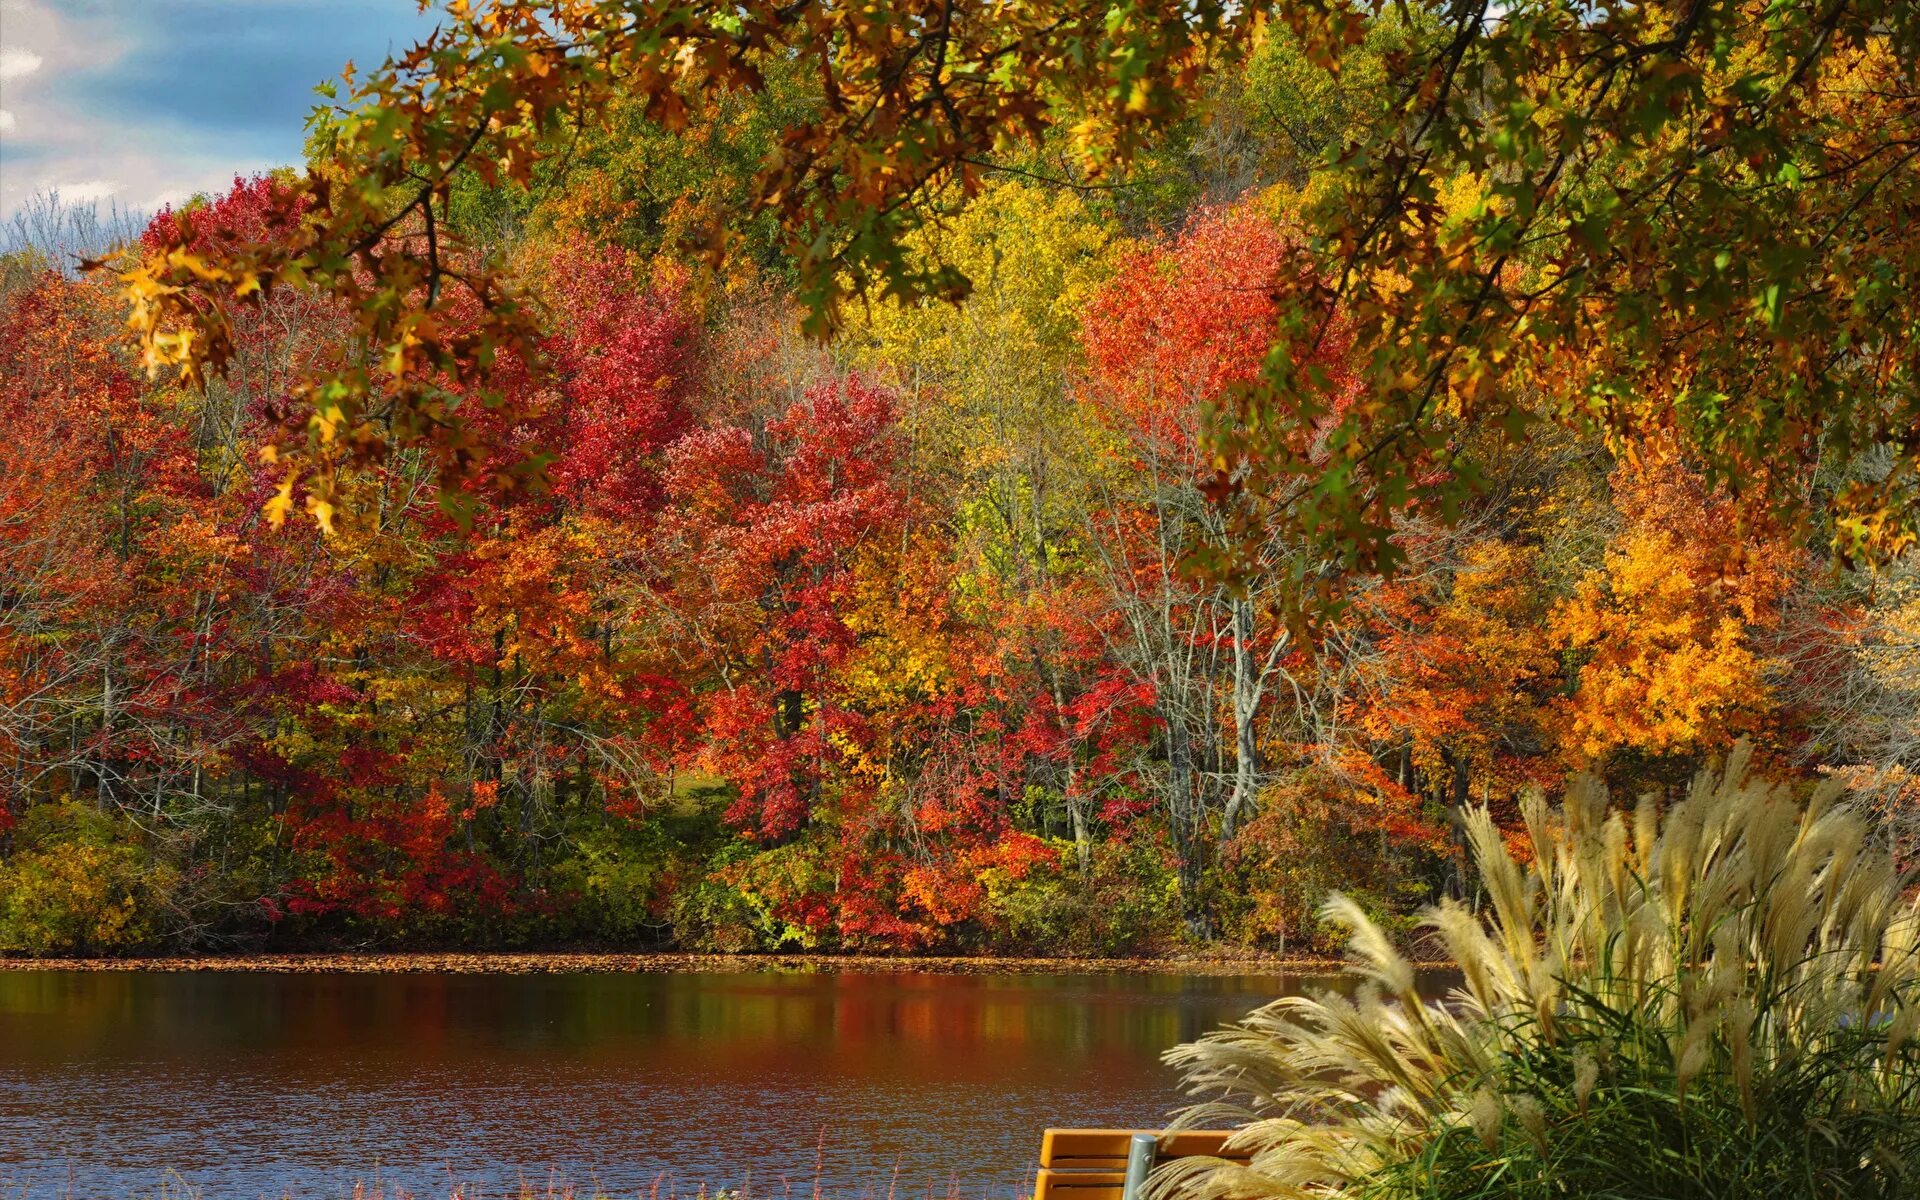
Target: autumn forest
[(935, 628)]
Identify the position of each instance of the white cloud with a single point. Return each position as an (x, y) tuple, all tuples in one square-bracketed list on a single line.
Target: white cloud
[(15, 62), (80, 193), (6, 121)]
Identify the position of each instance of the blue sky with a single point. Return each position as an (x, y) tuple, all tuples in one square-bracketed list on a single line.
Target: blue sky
[(144, 102)]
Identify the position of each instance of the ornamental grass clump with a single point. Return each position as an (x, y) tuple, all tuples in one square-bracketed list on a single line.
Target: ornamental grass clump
[(1716, 1001)]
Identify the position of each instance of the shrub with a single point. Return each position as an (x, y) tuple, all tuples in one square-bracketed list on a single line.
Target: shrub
[(1127, 902), (78, 885), (616, 885), (748, 899), (1718, 1003), (1301, 846)]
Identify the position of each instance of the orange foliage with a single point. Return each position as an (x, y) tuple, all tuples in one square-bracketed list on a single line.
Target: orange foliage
[(1661, 637)]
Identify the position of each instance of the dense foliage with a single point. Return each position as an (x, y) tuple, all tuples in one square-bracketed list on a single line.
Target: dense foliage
[(630, 616), (1690, 220), (886, 645)]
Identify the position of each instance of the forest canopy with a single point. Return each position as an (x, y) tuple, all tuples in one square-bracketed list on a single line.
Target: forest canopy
[(1060, 477), (1687, 219)]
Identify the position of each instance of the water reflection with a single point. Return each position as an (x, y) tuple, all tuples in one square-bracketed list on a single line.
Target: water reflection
[(251, 1085)]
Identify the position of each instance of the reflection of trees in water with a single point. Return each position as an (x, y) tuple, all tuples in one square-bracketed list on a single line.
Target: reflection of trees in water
[(436, 1013)]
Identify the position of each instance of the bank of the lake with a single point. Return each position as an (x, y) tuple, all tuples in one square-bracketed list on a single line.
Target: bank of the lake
[(597, 962)]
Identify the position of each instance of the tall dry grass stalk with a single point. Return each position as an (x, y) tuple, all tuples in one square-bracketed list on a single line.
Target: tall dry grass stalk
[(1720, 1000)]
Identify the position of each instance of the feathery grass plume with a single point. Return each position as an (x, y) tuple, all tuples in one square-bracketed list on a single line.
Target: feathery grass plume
[(1719, 1001)]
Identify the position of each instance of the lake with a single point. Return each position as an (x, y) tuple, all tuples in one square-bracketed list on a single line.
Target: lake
[(251, 1085)]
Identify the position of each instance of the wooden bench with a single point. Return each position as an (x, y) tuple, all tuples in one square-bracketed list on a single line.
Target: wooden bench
[(1111, 1164)]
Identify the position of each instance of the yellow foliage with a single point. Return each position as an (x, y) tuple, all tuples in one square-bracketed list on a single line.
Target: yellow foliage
[(899, 615), (78, 890), (984, 385)]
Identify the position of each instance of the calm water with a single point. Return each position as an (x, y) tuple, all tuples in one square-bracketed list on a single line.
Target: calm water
[(259, 1085)]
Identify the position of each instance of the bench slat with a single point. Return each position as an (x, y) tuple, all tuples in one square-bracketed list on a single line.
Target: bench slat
[(1079, 1185), (1106, 1149)]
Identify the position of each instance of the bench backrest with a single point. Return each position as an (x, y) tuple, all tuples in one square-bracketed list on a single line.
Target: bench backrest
[(1091, 1164)]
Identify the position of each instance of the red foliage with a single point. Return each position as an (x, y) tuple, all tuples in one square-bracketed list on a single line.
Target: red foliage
[(763, 543), (789, 603), (624, 363)]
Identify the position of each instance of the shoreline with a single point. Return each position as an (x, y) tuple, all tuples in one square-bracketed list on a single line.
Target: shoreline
[(561, 963)]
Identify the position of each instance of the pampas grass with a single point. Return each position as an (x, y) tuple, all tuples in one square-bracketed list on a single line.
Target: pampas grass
[(1718, 1001)]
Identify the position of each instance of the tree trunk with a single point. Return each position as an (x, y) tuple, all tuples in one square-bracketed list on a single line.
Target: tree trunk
[(1184, 817), (102, 792), (1246, 705)]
